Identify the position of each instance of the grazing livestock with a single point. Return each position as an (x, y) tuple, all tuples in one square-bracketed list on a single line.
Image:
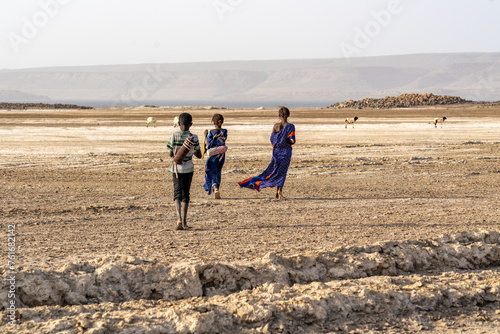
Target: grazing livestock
[(350, 121), (176, 121), (151, 120), (439, 120)]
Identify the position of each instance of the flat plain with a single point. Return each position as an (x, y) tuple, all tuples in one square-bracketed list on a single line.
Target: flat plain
[(91, 200)]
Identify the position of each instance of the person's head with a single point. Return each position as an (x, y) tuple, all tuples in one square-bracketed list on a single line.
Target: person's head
[(218, 120), (283, 113), (185, 121)]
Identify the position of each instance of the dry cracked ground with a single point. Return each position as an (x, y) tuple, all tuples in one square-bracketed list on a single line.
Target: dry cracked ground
[(388, 227)]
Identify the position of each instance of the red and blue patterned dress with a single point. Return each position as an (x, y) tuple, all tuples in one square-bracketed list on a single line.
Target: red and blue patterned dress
[(275, 173), (213, 167)]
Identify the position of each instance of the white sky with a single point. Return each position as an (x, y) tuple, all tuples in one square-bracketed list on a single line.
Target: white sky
[(40, 33)]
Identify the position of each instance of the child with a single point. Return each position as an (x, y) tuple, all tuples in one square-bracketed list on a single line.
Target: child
[(213, 167), (282, 139), (183, 174)]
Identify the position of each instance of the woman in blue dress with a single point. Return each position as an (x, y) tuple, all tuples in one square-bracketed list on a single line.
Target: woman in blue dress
[(213, 167), (282, 139)]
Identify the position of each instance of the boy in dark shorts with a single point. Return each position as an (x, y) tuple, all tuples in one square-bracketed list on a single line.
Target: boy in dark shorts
[(183, 174)]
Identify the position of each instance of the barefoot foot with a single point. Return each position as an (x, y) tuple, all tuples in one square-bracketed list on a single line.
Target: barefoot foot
[(216, 193)]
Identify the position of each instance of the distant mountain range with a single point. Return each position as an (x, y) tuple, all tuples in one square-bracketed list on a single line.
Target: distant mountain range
[(473, 76), (16, 96)]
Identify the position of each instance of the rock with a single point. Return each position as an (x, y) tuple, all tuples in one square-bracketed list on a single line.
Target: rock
[(20, 106), (401, 101)]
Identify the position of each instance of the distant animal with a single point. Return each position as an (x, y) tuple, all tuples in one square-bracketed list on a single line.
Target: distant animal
[(350, 121), (152, 121), (176, 121), (439, 120)]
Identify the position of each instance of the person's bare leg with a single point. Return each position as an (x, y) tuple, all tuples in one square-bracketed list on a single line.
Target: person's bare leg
[(280, 193), (185, 207), (178, 209), (216, 191)]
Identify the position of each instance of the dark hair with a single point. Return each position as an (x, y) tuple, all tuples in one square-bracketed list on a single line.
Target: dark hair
[(284, 112), (185, 119), (218, 119)]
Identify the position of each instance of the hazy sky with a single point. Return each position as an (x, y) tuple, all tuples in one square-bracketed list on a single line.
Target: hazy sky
[(39, 33)]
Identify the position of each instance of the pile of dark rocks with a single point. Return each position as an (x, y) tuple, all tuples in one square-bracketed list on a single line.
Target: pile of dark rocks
[(22, 106), (401, 101)]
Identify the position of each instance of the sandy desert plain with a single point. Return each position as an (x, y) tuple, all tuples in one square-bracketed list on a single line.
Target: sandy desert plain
[(392, 226)]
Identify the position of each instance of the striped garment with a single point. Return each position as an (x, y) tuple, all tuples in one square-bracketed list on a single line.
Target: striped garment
[(175, 142)]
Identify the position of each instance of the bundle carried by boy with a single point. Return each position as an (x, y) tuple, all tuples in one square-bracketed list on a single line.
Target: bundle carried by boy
[(184, 150)]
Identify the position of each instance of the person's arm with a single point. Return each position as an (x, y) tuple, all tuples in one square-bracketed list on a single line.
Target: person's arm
[(291, 136), (170, 146), (197, 148)]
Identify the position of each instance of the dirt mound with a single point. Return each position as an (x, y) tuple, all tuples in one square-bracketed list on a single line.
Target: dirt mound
[(401, 101), (407, 304), (399, 282)]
